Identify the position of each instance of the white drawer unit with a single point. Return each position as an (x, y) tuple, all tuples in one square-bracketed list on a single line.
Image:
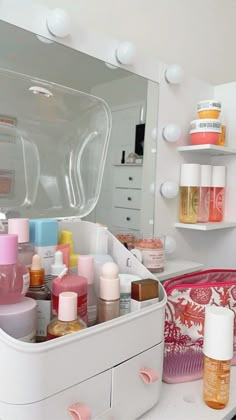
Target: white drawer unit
[(128, 176), (126, 218), (127, 198)]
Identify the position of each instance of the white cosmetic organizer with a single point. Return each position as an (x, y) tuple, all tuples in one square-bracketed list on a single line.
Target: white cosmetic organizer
[(57, 155)]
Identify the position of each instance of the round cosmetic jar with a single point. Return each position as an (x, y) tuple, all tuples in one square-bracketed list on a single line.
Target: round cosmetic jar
[(205, 131), (209, 109)]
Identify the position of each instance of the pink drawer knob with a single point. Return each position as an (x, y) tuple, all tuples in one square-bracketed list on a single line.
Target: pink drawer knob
[(79, 411), (148, 375)]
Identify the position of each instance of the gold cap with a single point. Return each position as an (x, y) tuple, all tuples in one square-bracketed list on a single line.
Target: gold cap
[(144, 289)]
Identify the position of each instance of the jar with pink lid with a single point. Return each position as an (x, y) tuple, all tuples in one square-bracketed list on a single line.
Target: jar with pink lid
[(151, 252)]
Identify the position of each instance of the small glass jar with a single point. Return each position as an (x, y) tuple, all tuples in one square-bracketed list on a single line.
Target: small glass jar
[(153, 252), (127, 239)]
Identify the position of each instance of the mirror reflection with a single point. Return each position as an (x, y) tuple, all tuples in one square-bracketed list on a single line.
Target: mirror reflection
[(126, 202)]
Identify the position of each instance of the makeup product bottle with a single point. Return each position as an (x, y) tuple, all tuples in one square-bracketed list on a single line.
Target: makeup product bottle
[(70, 283), (65, 237), (217, 194), (204, 194), (14, 277), (143, 293), (189, 191), (86, 270), (99, 250), (109, 293), (65, 249), (43, 235), (68, 320), (19, 320), (56, 268), (125, 291), (20, 227), (41, 293), (218, 352)]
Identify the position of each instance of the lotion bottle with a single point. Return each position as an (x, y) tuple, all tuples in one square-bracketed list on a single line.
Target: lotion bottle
[(217, 194), (218, 352), (189, 192), (109, 292)]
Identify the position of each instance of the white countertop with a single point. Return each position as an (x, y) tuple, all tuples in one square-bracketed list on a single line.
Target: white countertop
[(184, 402)]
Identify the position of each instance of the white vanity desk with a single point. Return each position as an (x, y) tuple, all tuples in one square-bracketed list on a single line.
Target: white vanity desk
[(184, 402)]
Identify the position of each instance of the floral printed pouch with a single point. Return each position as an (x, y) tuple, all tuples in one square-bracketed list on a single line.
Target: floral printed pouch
[(187, 296)]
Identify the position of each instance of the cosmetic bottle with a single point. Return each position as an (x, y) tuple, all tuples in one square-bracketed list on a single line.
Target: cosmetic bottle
[(68, 320), (56, 268), (44, 237), (218, 352), (109, 292), (20, 227), (125, 291), (217, 194), (204, 193), (143, 293), (65, 249), (70, 283), (40, 292), (14, 277), (65, 237), (86, 270), (189, 191), (99, 250)]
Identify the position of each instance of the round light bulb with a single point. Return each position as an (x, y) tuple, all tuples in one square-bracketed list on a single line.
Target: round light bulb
[(169, 189), (58, 23), (170, 245), (174, 74), (125, 53), (171, 133)]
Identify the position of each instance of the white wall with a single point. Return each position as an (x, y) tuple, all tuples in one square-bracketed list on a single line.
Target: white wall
[(198, 34)]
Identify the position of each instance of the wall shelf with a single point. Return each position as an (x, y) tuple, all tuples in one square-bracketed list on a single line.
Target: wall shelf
[(206, 226), (207, 149), (176, 267)]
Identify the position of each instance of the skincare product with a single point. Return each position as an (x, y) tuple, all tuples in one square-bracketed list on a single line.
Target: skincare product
[(151, 252), (143, 293), (109, 292), (43, 235), (99, 250), (65, 249), (40, 292), (125, 291), (14, 277), (86, 270), (204, 193), (65, 237), (56, 268), (20, 227), (218, 352), (189, 192), (68, 320), (217, 194)]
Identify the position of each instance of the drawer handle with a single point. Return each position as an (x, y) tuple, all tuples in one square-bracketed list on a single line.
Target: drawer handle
[(128, 219), (130, 178), (129, 198), (148, 375), (79, 411)]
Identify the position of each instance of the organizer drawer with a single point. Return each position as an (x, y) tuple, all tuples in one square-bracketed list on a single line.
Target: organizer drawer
[(136, 384), (127, 177), (128, 198), (95, 393), (127, 218)]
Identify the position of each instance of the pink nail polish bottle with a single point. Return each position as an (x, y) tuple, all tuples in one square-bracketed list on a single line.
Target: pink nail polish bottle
[(14, 277)]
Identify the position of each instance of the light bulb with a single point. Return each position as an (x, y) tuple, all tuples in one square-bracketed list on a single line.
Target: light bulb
[(170, 245), (125, 53), (171, 133), (58, 23), (169, 189), (174, 74)]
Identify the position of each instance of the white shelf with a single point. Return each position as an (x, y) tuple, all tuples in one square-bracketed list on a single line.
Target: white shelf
[(207, 149), (128, 164), (206, 226), (177, 267)]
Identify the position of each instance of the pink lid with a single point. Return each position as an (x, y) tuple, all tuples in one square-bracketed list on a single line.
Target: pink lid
[(69, 282), (9, 249), (67, 307), (86, 267), (19, 227), (109, 282)]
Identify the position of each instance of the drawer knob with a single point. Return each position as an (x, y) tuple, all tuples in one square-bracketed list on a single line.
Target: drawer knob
[(129, 199), (130, 178), (79, 411), (148, 375), (128, 219)]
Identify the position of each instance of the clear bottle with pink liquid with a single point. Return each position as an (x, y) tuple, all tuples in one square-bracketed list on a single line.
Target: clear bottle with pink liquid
[(20, 227), (204, 193), (217, 194), (14, 277)]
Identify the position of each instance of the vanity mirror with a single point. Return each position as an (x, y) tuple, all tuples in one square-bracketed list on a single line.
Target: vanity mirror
[(126, 201)]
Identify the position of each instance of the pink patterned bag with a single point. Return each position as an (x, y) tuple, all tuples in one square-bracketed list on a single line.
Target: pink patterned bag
[(187, 296)]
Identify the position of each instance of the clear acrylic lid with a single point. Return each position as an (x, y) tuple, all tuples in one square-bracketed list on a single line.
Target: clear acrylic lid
[(53, 145)]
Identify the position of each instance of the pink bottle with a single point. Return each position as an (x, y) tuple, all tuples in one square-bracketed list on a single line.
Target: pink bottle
[(217, 194), (14, 277), (70, 283), (204, 194), (20, 227)]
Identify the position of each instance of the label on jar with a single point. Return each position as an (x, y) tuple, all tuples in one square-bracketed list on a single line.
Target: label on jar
[(26, 283), (153, 259)]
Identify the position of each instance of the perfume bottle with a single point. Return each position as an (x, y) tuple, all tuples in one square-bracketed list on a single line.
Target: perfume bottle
[(217, 194), (109, 292), (189, 191), (218, 352), (68, 320), (14, 277), (204, 194), (41, 293), (86, 270), (20, 227), (65, 237)]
